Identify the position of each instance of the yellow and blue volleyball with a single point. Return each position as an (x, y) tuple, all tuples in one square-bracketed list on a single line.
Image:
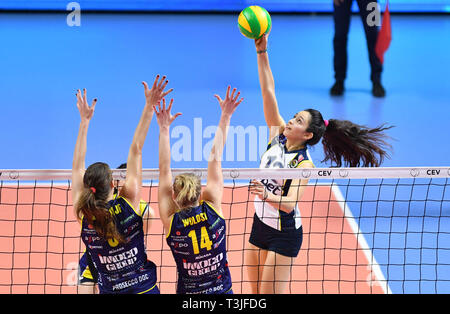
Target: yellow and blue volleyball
[(254, 21)]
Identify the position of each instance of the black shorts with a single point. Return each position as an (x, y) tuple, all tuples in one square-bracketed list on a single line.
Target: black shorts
[(286, 242)]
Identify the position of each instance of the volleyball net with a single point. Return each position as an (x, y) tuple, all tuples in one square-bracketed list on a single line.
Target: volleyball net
[(365, 230)]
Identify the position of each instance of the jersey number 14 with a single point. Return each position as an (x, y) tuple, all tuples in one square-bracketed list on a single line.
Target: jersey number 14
[(205, 242)]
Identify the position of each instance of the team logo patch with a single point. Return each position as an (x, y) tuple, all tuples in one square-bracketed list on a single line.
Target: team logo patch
[(294, 163)]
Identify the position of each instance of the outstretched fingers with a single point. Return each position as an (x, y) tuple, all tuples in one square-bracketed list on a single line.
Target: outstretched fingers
[(85, 110), (85, 96), (79, 97), (94, 102), (232, 93), (157, 92), (170, 104), (237, 103), (237, 96), (155, 82), (228, 92), (166, 93), (163, 82), (163, 115), (145, 86)]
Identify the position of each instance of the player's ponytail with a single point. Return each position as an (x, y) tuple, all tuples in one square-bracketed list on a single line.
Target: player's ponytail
[(93, 202), (187, 189), (348, 144)]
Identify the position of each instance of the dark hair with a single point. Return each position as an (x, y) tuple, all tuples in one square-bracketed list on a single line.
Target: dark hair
[(93, 202), (349, 144), (122, 166)]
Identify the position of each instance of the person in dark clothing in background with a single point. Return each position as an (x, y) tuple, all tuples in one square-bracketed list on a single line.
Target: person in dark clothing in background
[(342, 15)]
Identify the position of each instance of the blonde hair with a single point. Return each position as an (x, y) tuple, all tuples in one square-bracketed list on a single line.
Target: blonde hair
[(187, 188)]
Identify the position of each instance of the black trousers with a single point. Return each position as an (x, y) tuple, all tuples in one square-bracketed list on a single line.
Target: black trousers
[(342, 16)]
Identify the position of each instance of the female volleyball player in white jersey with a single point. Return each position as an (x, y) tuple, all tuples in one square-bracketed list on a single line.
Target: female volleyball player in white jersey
[(112, 227), (193, 221), (276, 235)]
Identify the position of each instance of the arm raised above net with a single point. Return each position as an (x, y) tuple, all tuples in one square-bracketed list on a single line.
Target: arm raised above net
[(272, 115), (79, 154), (133, 182), (214, 185), (165, 202)]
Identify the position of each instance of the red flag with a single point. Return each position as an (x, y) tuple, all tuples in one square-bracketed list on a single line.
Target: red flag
[(384, 36)]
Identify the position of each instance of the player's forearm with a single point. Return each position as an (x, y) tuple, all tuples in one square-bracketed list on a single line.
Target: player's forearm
[(288, 202), (79, 154), (283, 203), (164, 150), (266, 79), (141, 131), (267, 83), (215, 158), (220, 138)]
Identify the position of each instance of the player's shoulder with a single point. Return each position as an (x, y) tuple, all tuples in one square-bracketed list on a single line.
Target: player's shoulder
[(279, 139), (125, 205)]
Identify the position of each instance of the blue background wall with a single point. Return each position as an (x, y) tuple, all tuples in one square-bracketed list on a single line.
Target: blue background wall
[(217, 5), (43, 61)]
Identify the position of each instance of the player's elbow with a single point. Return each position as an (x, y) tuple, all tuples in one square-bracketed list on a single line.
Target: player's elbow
[(268, 89), (136, 148)]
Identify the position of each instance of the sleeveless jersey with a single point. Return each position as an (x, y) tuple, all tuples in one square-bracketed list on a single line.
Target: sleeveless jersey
[(277, 156), (122, 268), (197, 238), (87, 271)]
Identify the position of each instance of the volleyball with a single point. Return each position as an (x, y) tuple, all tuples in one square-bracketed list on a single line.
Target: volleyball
[(254, 21)]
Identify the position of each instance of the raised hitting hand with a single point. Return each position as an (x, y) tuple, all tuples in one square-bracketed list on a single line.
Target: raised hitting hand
[(261, 42)]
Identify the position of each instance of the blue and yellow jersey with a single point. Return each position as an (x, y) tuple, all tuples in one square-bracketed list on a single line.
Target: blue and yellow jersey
[(197, 238), (121, 267), (87, 271)]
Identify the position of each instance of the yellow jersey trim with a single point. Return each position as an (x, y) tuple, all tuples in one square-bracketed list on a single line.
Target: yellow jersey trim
[(148, 289), (209, 204), (130, 205), (87, 273), (142, 207), (81, 223), (170, 226)]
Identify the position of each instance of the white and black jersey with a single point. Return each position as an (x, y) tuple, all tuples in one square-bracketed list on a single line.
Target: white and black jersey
[(275, 157)]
